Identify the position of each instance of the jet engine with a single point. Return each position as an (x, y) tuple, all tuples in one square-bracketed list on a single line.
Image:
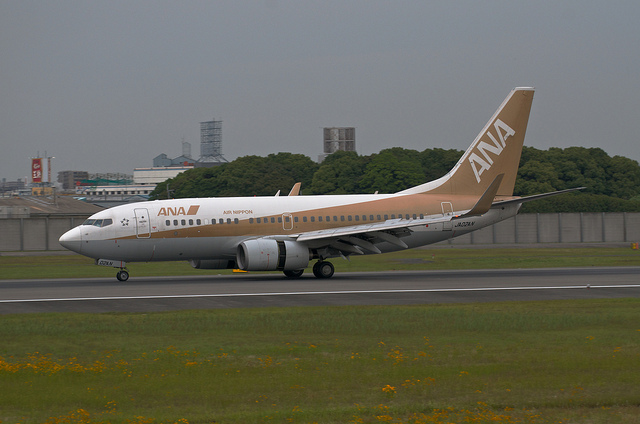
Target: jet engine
[(272, 255), (212, 264)]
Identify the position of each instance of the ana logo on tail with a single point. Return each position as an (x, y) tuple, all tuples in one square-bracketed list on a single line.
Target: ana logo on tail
[(478, 164)]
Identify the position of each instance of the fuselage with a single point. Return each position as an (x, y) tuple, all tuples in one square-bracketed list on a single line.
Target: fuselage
[(212, 228)]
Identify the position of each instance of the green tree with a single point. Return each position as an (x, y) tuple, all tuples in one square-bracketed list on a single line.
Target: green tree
[(339, 173), (392, 170), (245, 176), (437, 162)]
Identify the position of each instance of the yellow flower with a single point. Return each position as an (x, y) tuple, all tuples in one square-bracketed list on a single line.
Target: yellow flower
[(389, 389)]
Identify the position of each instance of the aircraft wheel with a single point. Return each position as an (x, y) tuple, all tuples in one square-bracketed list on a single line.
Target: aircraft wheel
[(122, 275), (323, 269), (294, 274)]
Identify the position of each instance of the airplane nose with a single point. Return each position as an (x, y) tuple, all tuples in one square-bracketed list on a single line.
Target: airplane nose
[(72, 240)]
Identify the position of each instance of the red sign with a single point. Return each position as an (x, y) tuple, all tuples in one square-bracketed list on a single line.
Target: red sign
[(36, 170)]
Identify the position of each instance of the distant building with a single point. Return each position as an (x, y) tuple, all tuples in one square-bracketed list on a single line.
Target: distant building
[(70, 179), (144, 182), (156, 175), (163, 161), (11, 186), (338, 138)]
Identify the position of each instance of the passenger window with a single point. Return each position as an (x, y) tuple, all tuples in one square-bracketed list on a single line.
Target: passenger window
[(349, 218), (328, 218), (341, 217), (167, 222), (183, 222), (386, 217), (313, 219), (235, 220), (273, 220), (198, 222), (213, 222), (295, 219), (379, 218), (304, 219), (191, 222), (371, 217), (319, 219), (221, 221), (250, 220), (228, 220), (393, 216), (414, 216), (175, 222), (364, 217), (335, 218), (357, 217)]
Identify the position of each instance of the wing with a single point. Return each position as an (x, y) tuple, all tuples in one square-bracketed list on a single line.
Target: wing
[(361, 239)]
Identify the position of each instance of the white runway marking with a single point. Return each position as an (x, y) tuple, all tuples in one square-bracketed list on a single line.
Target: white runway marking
[(194, 296)]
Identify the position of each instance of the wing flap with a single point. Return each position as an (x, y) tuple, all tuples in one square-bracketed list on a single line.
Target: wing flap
[(360, 238)]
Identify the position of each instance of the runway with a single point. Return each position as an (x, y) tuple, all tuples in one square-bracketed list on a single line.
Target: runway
[(149, 294)]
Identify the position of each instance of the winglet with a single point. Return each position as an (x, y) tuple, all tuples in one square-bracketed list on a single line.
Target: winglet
[(295, 190)]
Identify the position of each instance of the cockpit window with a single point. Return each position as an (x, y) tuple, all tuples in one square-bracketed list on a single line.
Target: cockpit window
[(98, 222)]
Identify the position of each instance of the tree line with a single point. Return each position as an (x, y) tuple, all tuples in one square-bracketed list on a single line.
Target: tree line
[(612, 183)]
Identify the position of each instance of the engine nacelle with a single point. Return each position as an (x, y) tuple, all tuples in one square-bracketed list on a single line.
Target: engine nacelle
[(212, 264), (272, 255)]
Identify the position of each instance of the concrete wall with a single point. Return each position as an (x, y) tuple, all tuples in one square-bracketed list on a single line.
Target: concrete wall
[(42, 233), (36, 233), (614, 227)]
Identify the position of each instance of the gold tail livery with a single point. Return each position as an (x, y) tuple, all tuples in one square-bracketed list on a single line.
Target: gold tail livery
[(287, 233)]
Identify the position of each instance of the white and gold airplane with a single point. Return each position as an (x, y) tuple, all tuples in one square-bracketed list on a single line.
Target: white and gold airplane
[(286, 233)]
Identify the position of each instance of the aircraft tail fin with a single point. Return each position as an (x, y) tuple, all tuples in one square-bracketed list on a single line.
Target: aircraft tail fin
[(496, 150)]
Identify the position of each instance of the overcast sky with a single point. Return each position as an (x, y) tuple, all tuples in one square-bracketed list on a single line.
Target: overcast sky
[(105, 86)]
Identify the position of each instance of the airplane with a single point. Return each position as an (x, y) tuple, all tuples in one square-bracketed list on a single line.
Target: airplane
[(287, 233)]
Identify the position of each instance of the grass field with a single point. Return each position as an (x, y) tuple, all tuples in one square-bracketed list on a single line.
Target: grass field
[(525, 362), (509, 362), (72, 266)]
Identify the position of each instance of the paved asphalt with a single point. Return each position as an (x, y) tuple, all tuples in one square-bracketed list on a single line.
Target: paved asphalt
[(146, 294)]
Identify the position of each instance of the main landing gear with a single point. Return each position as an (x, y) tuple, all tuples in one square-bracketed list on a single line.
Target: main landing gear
[(321, 269), (294, 274), (122, 275)]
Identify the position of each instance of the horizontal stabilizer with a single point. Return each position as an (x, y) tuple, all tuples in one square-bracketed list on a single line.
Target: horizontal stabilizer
[(486, 200), (536, 196)]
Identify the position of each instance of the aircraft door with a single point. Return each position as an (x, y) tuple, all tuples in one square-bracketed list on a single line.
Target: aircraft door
[(287, 221), (142, 223), (447, 212)]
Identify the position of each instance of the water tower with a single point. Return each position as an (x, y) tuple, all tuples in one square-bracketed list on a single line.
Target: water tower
[(211, 143)]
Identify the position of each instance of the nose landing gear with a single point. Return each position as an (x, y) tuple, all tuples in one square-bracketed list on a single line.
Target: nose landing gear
[(122, 275)]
